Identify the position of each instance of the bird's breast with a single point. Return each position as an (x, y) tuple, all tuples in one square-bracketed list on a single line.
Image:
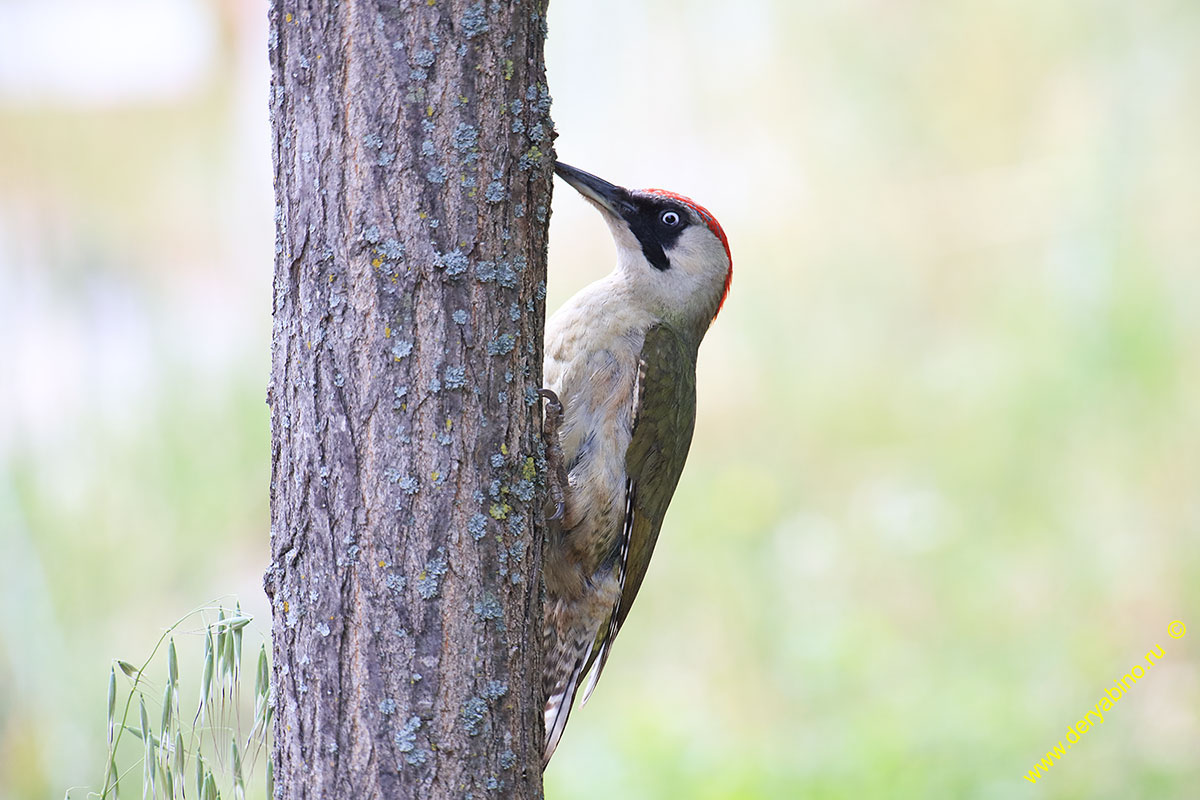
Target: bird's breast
[(593, 369)]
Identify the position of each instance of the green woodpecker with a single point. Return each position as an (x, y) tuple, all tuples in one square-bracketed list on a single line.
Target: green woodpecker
[(621, 356)]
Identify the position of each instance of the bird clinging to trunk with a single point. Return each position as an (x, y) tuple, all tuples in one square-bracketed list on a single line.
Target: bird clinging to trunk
[(621, 357)]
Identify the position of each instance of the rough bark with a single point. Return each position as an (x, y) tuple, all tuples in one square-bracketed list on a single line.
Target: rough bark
[(412, 170)]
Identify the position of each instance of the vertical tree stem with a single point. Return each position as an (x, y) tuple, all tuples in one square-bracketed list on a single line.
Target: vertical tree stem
[(412, 149)]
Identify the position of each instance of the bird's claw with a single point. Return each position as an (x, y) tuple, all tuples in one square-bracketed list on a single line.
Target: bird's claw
[(555, 463), (551, 399)]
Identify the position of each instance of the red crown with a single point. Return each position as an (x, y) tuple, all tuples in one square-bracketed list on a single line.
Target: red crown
[(713, 226)]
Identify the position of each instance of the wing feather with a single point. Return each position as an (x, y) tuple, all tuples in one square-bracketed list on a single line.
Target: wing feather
[(664, 415)]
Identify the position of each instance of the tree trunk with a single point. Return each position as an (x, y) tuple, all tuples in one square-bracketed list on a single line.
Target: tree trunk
[(412, 148)]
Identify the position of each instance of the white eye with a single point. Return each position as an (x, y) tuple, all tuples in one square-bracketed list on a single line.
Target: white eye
[(669, 218)]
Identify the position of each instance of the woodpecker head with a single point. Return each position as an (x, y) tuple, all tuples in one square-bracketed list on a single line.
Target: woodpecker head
[(669, 248)]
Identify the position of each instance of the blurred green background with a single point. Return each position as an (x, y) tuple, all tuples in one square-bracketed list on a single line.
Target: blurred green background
[(943, 488)]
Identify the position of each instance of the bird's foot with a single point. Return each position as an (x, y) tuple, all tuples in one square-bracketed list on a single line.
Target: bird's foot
[(555, 463)]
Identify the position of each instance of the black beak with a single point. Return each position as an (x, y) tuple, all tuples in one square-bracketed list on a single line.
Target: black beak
[(606, 196)]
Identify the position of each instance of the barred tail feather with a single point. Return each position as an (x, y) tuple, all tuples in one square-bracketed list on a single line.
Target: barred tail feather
[(614, 619), (560, 699), (570, 651), (591, 684)]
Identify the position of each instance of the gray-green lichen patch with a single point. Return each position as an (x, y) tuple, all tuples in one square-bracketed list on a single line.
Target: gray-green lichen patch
[(523, 489), (517, 550), (473, 714), (504, 272), (292, 611), (495, 690), (489, 608), (401, 348), (406, 741), (464, 140), (350, 557), (495, 192), (428, 580), (436, 175), (474, 22), (387, 706), (456, 377), (393, 249), (454, 263), (459, 317), (477, 526), (530, 158), (395, 582), (502, 344), (538, 95)]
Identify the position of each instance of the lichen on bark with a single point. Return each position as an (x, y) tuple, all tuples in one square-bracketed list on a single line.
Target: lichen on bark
[(409, 140)]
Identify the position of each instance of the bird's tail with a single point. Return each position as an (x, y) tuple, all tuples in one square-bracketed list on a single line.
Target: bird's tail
[(567, 653)]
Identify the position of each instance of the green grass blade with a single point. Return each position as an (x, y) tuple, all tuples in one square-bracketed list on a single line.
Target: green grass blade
[(172, 664), (165, 727), (112, 703)]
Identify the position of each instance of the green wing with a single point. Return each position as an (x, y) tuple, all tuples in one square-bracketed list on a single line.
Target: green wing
[(663, 419)]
